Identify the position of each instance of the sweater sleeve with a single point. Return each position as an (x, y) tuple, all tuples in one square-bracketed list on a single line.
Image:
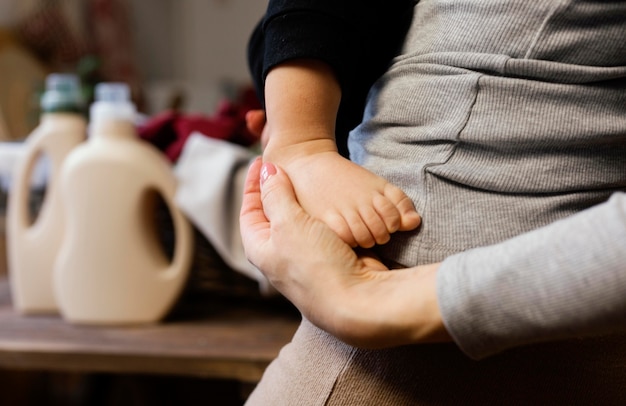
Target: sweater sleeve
[(565, 280), (356, 39)]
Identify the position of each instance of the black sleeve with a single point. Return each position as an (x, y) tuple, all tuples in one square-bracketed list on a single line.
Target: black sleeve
[(356, 38)]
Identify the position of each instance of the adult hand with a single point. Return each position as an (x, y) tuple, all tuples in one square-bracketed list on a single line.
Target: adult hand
[(352, 296)]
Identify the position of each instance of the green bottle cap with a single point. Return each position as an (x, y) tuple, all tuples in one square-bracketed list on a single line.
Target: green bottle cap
[(63, 94)]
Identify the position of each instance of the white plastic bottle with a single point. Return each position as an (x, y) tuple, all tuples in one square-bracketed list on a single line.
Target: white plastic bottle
[(111, 268), (32, 248)]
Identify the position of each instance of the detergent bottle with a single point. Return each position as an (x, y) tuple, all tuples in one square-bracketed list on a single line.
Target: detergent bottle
[(33, 247), (111, 268)]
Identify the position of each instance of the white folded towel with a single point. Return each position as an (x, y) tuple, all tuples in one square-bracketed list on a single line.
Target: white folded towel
[(211, 175)]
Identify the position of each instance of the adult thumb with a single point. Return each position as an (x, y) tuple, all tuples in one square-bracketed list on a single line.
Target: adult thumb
[(277, 194)]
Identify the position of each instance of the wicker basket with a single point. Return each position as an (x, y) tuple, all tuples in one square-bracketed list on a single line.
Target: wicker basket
[(209, 273)]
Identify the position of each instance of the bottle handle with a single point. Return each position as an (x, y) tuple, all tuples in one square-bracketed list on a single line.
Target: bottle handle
[(183, 235), (21, 184)]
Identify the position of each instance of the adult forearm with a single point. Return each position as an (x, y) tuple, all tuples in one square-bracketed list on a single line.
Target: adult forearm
[(565, 280)]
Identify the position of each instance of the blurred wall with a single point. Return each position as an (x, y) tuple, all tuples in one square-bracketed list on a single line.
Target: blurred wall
[(197, 46)]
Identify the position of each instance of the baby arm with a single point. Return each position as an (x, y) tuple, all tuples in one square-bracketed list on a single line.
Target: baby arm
[(302, 98)]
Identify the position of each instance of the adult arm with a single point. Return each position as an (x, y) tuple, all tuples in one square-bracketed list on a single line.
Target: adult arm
[(565, 280), (353, 297)]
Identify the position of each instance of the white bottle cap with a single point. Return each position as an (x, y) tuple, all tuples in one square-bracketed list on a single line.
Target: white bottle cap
[(112, 103)]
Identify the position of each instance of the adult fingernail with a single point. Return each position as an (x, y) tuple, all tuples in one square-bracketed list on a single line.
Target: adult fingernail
[(267, 170)]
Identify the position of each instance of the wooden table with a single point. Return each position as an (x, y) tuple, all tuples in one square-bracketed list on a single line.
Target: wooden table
[(210, 338)]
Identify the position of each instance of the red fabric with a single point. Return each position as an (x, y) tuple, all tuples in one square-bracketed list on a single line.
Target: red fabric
[(170, 130)]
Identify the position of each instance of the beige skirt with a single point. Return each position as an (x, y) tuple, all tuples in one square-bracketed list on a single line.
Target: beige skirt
[(317, 369)]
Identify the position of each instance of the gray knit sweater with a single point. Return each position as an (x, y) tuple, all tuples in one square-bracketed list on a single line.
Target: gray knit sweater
[(510, 121), (502, 120)]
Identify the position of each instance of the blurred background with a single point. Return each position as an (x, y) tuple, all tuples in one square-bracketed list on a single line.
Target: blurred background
[(186, 53), (189, 55)]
